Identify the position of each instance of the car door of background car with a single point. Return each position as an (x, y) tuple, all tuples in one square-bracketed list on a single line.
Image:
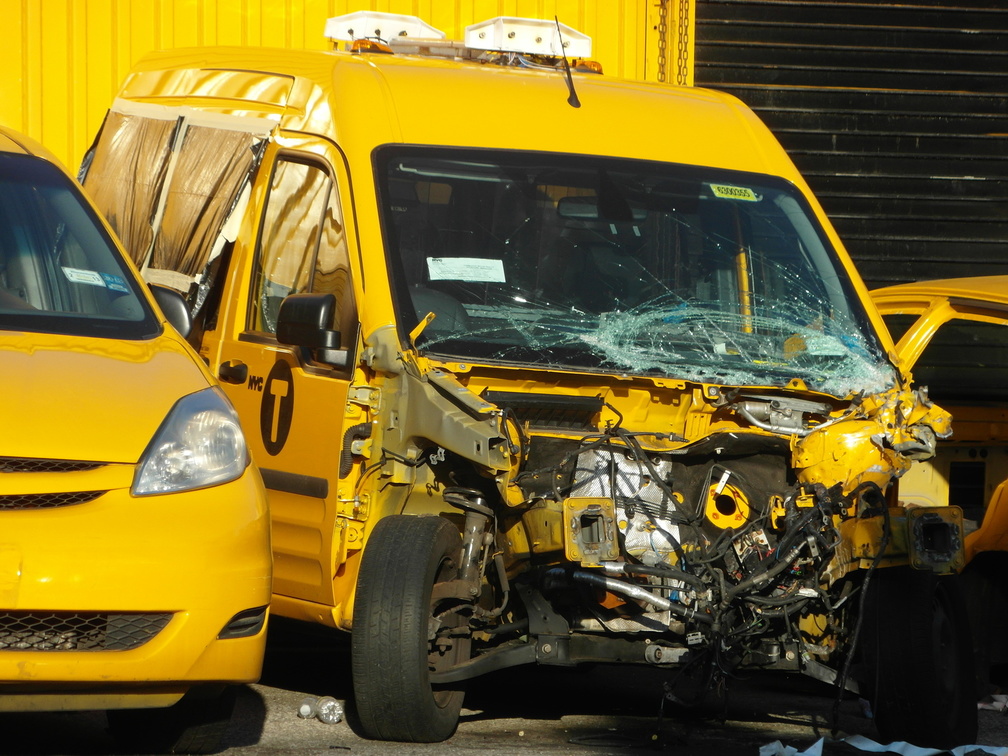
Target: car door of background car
[(293, 408), (959, 350)]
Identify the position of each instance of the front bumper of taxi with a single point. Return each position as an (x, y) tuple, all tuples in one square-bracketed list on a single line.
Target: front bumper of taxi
[(109, 600)]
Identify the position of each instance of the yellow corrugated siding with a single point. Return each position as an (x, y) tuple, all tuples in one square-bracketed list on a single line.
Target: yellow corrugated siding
[(64, 59)]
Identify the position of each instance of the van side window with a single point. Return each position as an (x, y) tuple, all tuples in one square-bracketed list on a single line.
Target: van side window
[(291, 231), (332, 272), (302, 247)]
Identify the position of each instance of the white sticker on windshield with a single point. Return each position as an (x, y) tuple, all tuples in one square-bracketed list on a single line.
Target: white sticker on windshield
[(477, 269), (84, 276), (727, 191)]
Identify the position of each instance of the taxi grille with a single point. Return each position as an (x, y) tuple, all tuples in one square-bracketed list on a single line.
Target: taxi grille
[(46, 500), (77, 631), (9, 502), (34, 465)]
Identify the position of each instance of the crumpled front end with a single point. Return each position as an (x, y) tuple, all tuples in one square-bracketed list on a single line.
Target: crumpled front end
[(650, 399), (737, 542), (742, 530)]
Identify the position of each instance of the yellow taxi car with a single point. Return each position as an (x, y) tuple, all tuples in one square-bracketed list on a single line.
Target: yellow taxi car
[(135, 566), (953, 335)]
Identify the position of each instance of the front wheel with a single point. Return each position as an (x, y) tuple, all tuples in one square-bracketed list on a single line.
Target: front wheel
[(916, 643), (401, 632)]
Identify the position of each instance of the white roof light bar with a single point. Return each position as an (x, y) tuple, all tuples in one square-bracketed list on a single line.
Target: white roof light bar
[(528, 35), (383, 26)]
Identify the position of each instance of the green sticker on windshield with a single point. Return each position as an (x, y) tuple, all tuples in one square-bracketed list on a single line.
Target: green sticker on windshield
[(727, 191)]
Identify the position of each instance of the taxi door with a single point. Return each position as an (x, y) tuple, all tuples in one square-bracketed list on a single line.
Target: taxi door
[(294, 410)]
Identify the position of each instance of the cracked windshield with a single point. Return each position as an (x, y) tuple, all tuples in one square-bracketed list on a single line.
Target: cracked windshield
[(621, 266)]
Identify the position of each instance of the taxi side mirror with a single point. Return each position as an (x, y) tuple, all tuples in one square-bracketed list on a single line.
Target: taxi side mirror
[(305, 321), (174, 307)]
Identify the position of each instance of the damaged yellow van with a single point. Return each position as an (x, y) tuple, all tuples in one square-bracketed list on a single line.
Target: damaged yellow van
[(134, 537), (541, 367)]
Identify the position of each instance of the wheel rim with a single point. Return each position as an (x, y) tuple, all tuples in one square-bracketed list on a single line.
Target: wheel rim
[(445, 647)]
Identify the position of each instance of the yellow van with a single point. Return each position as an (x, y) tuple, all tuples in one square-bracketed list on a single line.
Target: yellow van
[(135, 559), (528, 385)]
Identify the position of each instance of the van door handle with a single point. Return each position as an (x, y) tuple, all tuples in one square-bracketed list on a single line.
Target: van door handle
[(233, 371)]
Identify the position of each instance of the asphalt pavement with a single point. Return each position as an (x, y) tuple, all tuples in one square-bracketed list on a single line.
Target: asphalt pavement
[(600, 710)]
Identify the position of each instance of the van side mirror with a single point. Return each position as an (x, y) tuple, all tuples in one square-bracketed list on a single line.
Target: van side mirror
[(305, 321), (174, 307)]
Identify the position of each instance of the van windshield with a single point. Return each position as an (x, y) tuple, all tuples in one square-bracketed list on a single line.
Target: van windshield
[(60, 272), (587, 263)]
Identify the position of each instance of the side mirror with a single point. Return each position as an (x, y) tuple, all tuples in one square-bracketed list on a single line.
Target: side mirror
[(305, 320), (174, 307)]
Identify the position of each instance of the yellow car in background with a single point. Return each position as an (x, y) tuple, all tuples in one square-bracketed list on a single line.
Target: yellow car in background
[(135, 567), (953, 335)]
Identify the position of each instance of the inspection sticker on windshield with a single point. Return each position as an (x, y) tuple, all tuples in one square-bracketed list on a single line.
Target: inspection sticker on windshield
[(115, 283), (727, 191), (477, 269), (84, 276)]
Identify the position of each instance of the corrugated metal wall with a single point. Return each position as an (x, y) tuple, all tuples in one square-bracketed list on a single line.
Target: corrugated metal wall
[(64, 59), (897, 113)]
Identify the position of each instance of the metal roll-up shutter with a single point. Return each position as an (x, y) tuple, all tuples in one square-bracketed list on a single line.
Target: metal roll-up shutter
[(897, 115)]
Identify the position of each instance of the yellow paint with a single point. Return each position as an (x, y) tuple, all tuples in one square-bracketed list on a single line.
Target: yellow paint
[(64, 61)]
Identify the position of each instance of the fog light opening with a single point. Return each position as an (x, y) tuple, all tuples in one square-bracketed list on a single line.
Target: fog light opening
[(245, 624)]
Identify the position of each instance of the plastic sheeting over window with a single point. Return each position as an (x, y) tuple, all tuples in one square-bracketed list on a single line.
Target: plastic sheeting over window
[(126, 174), (212, 166), (167, 183)]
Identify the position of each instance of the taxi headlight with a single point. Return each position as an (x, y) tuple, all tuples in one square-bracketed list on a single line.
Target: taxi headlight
[(199, 444)]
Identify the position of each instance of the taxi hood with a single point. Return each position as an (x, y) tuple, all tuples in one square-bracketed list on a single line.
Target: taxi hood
[(89, 399)]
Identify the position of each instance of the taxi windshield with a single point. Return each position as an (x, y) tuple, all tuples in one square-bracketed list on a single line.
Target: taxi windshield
[(60, 272), (605, 265)]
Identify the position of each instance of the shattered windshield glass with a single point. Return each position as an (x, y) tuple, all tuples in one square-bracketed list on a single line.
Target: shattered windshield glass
[(635, 267)]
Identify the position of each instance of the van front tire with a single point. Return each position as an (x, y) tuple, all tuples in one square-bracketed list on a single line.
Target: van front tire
[(394, 640), (916, 642)]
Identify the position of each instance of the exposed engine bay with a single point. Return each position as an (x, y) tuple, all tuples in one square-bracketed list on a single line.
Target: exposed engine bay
[(717, 544), (642, 548)]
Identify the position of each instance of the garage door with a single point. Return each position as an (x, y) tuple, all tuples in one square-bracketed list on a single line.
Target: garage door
[(895, 113)]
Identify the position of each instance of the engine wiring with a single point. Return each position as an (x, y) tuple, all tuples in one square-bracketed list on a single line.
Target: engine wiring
[(729, 586)]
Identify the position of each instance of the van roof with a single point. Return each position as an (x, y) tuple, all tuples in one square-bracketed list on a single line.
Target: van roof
[(375, 98)]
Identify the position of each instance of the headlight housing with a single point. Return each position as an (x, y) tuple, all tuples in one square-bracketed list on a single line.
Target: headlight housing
[(199, 444)]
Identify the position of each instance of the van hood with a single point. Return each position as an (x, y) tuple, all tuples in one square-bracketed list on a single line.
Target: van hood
[(88, 399)]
